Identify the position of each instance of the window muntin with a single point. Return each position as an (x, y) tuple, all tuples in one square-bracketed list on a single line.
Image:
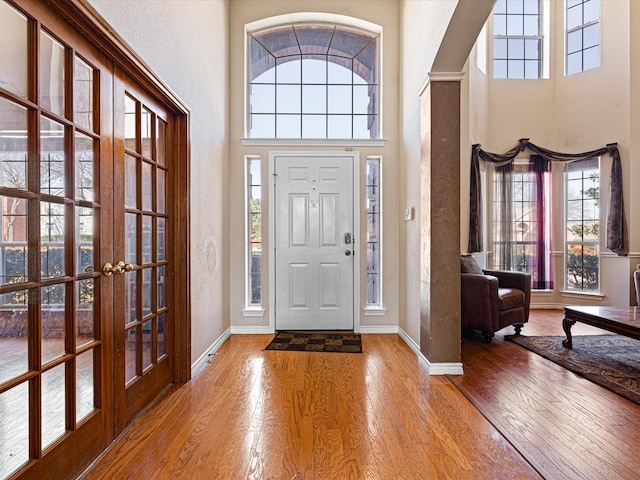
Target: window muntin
[(517, 39), (374, 277), (513, 243), (253, 198), (313, 81), (583, 35), (582, 259)]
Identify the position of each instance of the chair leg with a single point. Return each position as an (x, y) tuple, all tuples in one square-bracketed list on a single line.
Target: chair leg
[(488, 336), (518, 327)]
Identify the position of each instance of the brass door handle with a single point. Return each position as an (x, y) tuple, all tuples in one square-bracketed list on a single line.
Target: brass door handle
[(120, 267)]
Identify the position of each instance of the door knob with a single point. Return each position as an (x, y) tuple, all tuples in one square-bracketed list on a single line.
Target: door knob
[(347, 253), (108, 269)]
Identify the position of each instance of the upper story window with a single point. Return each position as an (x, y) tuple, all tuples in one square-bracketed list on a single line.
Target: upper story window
[(313, 81), (583, 35), (517, 39)]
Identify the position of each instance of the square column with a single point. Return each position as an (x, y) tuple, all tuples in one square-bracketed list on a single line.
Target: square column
[(440, 325)]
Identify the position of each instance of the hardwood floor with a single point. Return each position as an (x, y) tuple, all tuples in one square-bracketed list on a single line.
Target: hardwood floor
[(255, 414)]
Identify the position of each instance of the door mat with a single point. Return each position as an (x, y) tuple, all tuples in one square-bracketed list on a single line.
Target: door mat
[(347, 342), (611, 361)]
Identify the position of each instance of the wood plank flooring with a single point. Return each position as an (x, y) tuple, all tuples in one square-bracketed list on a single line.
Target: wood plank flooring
[(255, 414)]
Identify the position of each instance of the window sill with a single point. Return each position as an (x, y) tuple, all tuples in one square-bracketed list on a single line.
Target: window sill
[(375, 311), (315, 142), (253, 312), (590, 295)]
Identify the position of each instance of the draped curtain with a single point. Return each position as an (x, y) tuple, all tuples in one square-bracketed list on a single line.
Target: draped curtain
[(616, 240)]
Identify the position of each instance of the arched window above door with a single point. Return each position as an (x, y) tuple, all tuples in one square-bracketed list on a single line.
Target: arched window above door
[(313, 81)]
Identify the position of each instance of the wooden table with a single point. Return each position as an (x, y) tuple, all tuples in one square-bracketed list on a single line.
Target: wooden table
[(621, 320)]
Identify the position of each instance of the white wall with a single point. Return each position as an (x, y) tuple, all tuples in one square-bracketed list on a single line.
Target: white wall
[(383, 13), (185, 43), (573, 113)]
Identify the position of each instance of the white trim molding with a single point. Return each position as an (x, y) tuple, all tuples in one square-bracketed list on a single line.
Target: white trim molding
[(215, 346), (439, 77), (252, 330), (377, 329), (253, 312), (313, 142), (373, 311), (425, 364)]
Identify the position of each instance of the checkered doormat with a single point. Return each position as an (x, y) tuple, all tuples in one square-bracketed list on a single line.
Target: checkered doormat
[(347, 342)]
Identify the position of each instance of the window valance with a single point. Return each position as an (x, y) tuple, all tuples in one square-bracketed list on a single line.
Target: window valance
[(616, 228)]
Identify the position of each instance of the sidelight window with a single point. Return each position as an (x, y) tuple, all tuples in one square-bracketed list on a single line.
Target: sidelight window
[(253, 198)]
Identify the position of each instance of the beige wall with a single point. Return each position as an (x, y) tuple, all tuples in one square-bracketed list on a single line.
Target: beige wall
[(383, 13), (423, 24), (185, 43), (573, 113)]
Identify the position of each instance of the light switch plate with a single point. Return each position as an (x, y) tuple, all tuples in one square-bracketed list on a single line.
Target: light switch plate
[(408, 214)]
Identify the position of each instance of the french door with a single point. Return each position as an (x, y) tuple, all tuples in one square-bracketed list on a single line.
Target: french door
[(314, 242), (141, 264), (87, 296)]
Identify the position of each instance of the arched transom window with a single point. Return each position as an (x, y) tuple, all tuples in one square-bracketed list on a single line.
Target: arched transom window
[(313, 81)]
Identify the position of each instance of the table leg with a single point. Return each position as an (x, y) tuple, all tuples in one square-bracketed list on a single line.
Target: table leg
[(567, 323)]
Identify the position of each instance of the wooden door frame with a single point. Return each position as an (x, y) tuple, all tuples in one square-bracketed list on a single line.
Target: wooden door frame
[(357, 242), (86, 20)]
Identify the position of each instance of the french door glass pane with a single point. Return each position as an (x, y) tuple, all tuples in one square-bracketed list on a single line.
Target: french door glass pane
[(147, 239), (161, 288), (161, 138), (161, 239), (13, 144), (130, 297), (146, 291), (13, 342), (85, 313), (146, 186), (131, 181), (52, 248), (161, 196), (131, 229), (14, 52), (13, 411), (83, 94), (52, 174), (53, 322), (162, 348), (85, 149), (52, 74), (84, 240), (130, 133), (14, 240), (53, 405), (145, 132), (130, 357), (84, 385), (147, 335)]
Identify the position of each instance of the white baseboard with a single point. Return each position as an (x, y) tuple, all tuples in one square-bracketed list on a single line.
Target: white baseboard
[(430, 368), (251, 330), (379, 329), (199, 363)]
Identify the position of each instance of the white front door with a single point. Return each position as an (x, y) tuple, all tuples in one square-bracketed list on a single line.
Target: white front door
[(314, 242)]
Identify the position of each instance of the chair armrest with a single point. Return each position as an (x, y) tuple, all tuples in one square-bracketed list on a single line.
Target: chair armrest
[(519, 280), (511, 279), (479, 301)]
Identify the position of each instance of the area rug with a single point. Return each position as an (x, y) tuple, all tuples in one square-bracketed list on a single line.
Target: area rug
[(612, 361), (316, 342)]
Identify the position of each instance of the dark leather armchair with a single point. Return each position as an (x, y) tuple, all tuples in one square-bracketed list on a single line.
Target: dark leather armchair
[(494, 299)]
